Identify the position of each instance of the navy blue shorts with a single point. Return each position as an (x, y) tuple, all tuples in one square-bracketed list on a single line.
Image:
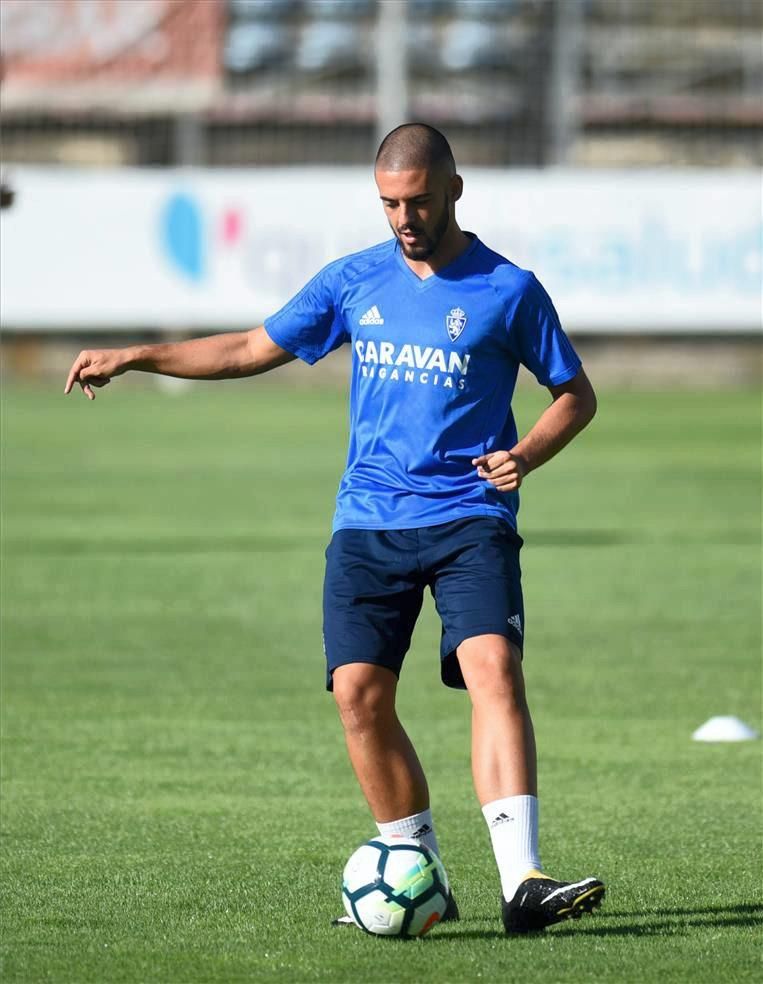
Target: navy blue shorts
[(375, 581)]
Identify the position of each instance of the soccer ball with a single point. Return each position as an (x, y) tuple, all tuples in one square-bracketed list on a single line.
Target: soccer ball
[(395, 886)]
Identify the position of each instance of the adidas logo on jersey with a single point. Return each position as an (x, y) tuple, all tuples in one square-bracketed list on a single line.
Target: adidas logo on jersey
[(372, 317)]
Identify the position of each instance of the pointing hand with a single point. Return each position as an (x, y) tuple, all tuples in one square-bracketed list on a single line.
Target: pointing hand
[(95, 367)]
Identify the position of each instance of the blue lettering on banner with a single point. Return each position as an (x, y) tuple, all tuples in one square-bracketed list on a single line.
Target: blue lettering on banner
[(654, 258), (182, 235)]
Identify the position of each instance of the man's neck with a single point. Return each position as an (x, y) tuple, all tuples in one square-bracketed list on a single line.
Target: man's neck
[(450, 247)]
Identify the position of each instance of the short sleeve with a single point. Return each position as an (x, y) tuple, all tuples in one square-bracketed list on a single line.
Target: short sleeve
[(537, 338), (310, 325)]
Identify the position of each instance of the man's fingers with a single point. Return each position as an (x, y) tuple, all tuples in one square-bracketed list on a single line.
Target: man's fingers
[(505, 484), (493, 461), (83, 373), (89, 370), (73, 376), (501, 469), (497, 459), (508, 468)]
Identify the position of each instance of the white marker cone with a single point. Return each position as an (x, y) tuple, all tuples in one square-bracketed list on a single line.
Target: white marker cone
[(725, 728)]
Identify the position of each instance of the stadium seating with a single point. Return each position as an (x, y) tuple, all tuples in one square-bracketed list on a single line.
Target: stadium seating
[(472, 45), (646, 81), (262, 9), (334, 47), (252, 46)]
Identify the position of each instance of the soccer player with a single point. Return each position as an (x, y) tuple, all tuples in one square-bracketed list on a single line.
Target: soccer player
[(438, 324)]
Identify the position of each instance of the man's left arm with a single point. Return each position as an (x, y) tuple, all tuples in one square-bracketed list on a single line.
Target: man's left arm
[(573, 407)]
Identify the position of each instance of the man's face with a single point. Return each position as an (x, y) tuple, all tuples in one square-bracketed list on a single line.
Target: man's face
[(419, 208)]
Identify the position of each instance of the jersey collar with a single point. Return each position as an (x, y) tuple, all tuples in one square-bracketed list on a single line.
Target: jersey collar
[(444, 273)]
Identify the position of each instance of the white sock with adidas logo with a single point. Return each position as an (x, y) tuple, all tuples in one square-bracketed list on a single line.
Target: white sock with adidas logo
[(420, 826), (513, 825)]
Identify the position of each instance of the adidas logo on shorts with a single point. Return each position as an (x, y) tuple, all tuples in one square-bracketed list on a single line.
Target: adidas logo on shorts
[(516, 623), (372, 317)]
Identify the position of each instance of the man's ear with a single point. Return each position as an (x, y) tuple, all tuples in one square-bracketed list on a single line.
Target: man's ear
[(456, 187)]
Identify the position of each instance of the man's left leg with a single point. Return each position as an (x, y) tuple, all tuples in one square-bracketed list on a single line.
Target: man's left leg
[(503, 754), (505, 779)]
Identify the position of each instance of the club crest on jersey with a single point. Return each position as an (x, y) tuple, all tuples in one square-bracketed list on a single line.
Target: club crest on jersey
[(455, 322)]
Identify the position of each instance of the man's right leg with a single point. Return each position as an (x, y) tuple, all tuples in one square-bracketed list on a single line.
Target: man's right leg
[(372, 597), (385, 762), (381, 753)]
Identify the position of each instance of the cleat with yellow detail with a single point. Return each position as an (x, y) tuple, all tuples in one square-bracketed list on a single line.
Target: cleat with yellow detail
[(541, 901)]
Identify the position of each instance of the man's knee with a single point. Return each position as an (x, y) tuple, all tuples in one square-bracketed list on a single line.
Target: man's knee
[(492, 669), (364, 695)]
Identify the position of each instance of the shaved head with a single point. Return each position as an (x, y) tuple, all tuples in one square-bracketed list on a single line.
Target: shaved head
[(415, 147), (418, 186)]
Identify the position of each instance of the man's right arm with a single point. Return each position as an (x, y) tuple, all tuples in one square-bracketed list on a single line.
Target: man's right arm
[(230, 355)]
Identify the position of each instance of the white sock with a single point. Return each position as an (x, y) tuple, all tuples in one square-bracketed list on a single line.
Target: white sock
[(420, 826), (513, 825)]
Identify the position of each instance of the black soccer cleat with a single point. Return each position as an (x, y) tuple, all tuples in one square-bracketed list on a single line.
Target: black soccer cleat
[(541, 902), (451, 914)]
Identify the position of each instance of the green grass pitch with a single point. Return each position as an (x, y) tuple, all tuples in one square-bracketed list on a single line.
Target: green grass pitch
[(176, 802)]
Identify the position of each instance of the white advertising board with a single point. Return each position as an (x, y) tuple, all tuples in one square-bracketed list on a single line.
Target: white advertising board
[(627, 251)]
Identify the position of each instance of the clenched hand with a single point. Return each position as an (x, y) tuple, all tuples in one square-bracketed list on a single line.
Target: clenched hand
[(502, 469)]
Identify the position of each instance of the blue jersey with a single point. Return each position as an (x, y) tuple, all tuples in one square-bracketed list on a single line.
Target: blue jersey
[(434, 365)]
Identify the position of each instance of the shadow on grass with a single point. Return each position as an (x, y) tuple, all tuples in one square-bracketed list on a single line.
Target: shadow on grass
[(579, 538), (658, 922), (68, 546), (269, 543), (611, 538), (753, 911)]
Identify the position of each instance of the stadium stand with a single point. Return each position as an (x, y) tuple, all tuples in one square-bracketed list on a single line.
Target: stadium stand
[(293, 81), (104, 84)]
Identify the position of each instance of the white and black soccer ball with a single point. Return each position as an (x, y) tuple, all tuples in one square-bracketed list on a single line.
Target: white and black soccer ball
[(395, 886)]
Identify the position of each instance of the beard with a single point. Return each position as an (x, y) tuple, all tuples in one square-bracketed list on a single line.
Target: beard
[(431, 240)]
